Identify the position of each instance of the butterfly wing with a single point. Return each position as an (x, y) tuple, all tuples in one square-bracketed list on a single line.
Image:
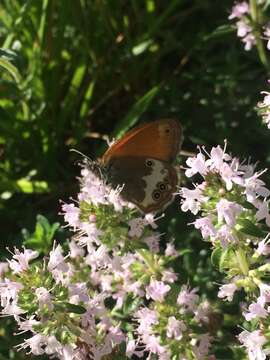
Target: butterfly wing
[(159, 140), (148, 183)]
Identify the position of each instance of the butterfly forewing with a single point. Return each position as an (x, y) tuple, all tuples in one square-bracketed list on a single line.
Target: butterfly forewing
[(159, 140)]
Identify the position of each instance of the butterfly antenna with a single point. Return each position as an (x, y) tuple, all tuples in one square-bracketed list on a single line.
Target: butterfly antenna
[(82, 154)]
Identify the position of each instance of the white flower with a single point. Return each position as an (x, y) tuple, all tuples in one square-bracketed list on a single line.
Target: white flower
[(56, 258), (227, 291), (253, 342), (266, 33), (53, 346), (228, 211), (152, 242), (44, 297), (137, 226), (255, 187), (92, 235), (71, 215), (9, 293), (217, 158), (20, 261), (197, 165), (264, 293), (175, 328), (230, 175), (75, 250), (98, 257), (114, 197), (146, 318), (263, 211), (36, 344), (242, 28), (206, 226), (266, 119), (187, 298), (239, 9), (264, 247), (256, 311), (152, 344), (249, 41), (131, 349), (169, 276), (202, 349), (192, 200), (157, 290), (225, 236), (266, 100), (171, 250)]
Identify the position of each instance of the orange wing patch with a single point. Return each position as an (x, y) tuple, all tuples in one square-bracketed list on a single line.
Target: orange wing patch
[(159, 140)]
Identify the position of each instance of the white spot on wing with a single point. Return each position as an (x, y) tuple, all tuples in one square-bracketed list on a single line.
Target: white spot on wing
[(159, 172), (162, 129)]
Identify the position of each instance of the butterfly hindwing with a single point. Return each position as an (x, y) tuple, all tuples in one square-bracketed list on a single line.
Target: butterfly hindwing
[(148, 183)]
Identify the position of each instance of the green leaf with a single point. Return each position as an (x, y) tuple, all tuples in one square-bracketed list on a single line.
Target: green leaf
[(87, 99), (131, 304), (68, 307), (215, 257), (249, 228), (266, 4), (220, 31), (133, 115), (7, 65), (42, 238), (220, 258), (242, 261), (42, 25), (28, 186), (185, 251), (248, 205), (136, 111), (39, 231), (224, 259), (141, 48)]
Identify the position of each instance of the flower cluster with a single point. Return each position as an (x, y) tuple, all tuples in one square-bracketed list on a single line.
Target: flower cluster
[(114, 293), (233, 204), (250, 24), (174, 322), (54, 303), (241, 11)]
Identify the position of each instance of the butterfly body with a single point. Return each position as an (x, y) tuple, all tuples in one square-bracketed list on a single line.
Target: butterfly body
[(142, 162)]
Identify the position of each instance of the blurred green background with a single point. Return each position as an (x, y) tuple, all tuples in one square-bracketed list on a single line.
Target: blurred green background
[(73, 71)]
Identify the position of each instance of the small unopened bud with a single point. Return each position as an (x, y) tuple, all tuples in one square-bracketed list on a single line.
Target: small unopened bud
[(92, 218), (221, 191)]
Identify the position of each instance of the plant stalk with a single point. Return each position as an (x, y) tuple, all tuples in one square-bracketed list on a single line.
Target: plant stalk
[(255, 14)]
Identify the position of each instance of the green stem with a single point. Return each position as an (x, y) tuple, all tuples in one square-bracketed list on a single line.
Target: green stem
[(242, 261), (148, 260), (255, 13)]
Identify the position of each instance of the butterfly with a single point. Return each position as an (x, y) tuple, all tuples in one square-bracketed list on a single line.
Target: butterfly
[(141, 161)]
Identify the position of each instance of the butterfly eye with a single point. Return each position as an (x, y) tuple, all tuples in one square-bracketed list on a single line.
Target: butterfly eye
[(156, 195), (162, 186), (149, 163), (167, 130)]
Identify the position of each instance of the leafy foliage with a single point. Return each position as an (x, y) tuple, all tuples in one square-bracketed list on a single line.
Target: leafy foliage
[(42, 238)]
